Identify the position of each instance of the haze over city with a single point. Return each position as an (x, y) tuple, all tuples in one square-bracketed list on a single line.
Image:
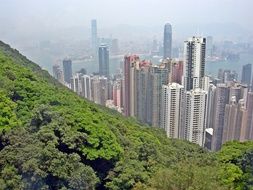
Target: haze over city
[(43, 19)]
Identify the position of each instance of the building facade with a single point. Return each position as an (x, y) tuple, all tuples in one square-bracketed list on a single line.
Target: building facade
[(103, 56), (195, 116), (172, 109), (67, 70), (194, 62), (167, 41), (246, 74)]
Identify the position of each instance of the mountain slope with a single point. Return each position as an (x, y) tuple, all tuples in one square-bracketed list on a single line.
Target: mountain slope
[(53, 139)]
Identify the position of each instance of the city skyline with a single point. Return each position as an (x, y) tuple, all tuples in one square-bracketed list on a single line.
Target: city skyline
[(126, 94), (175, 95), (144, 88)]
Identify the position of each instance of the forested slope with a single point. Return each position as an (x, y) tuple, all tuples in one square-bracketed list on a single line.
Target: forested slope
[(52, 139)]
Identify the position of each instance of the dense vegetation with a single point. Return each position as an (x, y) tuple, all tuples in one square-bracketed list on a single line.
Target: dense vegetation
[(52, 139)]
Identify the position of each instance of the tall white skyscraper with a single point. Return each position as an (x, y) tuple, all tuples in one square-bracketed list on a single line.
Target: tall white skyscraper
[(171, 110), (86, 86), (75, 83), (194, 116), (194, 62)]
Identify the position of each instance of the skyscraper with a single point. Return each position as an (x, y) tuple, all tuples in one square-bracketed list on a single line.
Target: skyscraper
[(223, 95), (210, 106), (171, 109), (94, 35), (249, 130), (86, 86), (67, 70), (194, 62), (143, 97), (117, 91), (246, 74), (103, 56), (158, 76), (167, 41), (99, 89), (235, 121), (58, 74), (252, 85), (194, 116), (75, 83), (103, 88), (130, 62), (177, 71), (220, 100), (142, 89)]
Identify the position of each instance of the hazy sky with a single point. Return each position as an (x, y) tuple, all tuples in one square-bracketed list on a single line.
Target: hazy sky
[(76, 12), (43, 15)]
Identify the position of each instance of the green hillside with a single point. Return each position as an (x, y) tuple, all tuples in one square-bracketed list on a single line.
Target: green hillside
[(52, 139)]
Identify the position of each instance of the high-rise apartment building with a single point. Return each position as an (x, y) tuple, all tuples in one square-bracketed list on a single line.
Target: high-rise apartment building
[(251, 85), (86, 86), (130, 62), (158, 76), (67, 70), (167, 41), (75, 83), (220, 100), (210, 106), (249, 130), (103, 56), (177, 71), (117, 93), (58, 74), (172, 109), (103, 88), (235, 121), (143, 96), (246, 74), (194, 62), (238, 90), (99, 89), (194, 116), (223, 96), (142, 89), (95, 89)]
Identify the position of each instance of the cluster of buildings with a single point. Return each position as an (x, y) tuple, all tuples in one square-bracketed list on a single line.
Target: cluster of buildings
[(100, 87), (175, 95), (171, 95)]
